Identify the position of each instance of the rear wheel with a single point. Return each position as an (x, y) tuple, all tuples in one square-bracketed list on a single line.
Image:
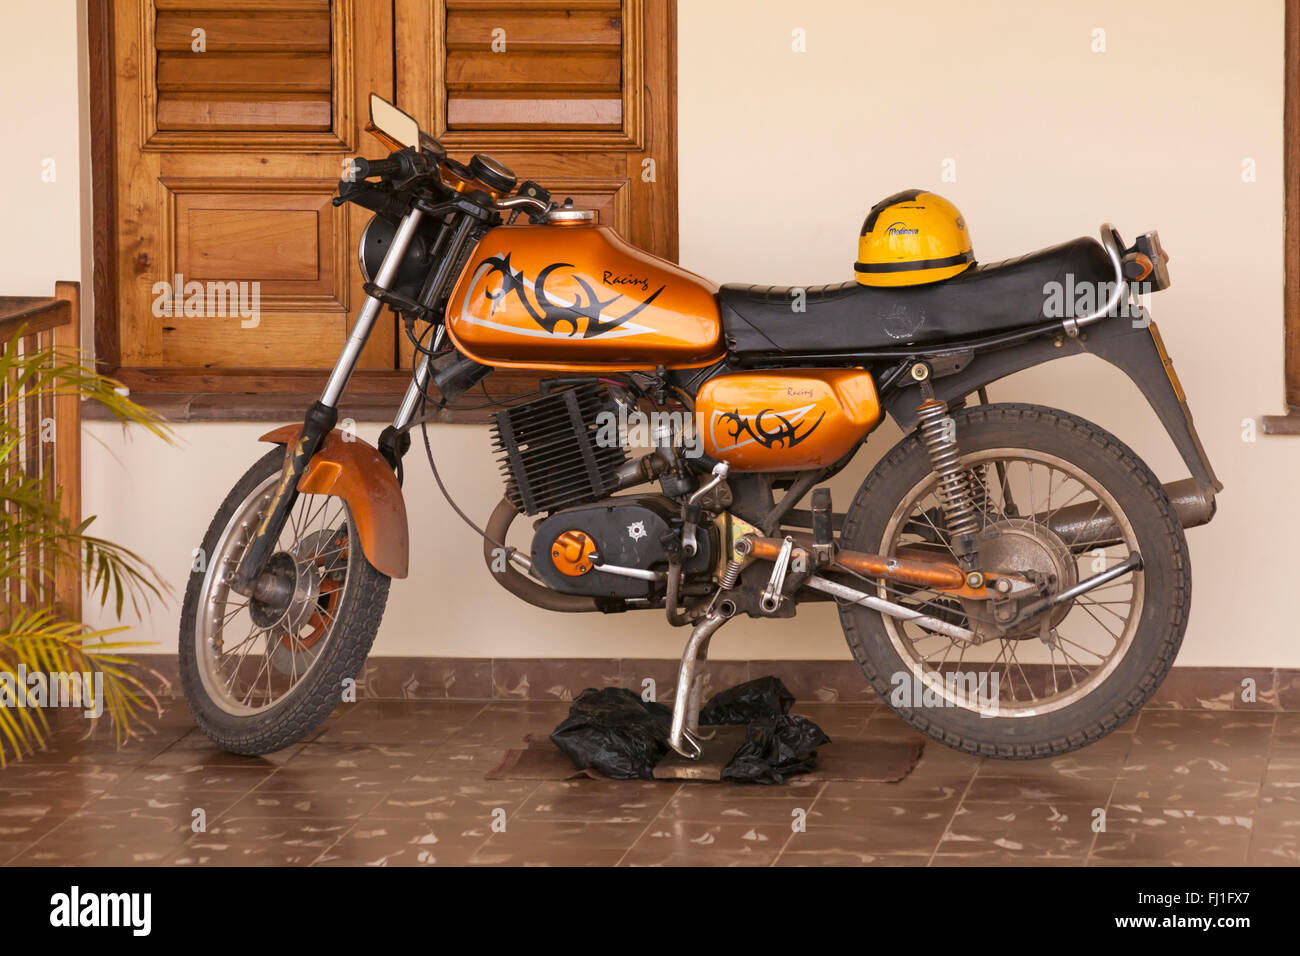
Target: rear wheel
[(260, 675), (1059, 500)]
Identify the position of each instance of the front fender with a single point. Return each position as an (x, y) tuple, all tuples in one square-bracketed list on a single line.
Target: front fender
[(349, 468)]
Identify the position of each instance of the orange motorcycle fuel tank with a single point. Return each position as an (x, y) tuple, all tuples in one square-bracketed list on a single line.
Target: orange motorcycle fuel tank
[(786, 420), (579, 298)]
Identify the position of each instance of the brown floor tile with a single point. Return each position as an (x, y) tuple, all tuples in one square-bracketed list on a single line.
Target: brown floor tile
[(738, 803), (1018, 831), (408, 843), (414, 723), (292, 841), (683, 843), (1149, 832), (544, 843), (1275, 836), (68, 778), (192, 779), (1201, 733), (1228, 786), (270, 802), (598, 801), (449, 800), (916, 838), (1040, 788), (845, 858), (877, 827), (27, 815), (349, 758)]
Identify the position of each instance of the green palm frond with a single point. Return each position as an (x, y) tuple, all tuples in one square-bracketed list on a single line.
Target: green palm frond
[(37, 541)]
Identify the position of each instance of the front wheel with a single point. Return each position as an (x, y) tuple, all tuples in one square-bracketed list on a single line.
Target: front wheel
[(1059, 500), (260, 675)]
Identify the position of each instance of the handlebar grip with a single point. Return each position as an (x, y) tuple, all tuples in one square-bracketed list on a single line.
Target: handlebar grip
[(383, 168)]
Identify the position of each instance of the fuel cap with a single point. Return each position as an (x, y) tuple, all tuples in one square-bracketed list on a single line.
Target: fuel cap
[(567, 214)]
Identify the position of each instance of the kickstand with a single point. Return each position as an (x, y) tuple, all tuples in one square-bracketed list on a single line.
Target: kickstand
[(685, 736)]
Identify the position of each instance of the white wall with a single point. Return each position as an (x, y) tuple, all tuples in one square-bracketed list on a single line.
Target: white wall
[(781, 153), (40, 124)]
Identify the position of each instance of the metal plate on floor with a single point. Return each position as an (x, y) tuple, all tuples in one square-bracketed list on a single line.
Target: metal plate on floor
[(717, 754)]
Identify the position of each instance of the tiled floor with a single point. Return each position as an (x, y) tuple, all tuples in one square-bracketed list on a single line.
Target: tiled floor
[(401, 783)]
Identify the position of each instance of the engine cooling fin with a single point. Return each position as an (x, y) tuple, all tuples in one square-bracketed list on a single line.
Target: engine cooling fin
[(549, 454)]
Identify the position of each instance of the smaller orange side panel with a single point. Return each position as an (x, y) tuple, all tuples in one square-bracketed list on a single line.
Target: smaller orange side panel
[(351, 469), (793, 420)]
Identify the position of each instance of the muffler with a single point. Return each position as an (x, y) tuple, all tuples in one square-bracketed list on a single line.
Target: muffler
[(1081, 526)]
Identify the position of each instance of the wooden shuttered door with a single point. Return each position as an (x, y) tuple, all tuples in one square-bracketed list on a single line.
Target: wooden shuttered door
[(233, 120), (575, 94)]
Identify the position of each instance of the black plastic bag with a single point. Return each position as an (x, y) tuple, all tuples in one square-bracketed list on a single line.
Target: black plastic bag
[(778, 745), (615, 732), (776, 748), (763, 697)]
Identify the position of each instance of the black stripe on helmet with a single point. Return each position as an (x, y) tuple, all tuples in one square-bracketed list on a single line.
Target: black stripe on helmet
[(878, 208), (967, 256)]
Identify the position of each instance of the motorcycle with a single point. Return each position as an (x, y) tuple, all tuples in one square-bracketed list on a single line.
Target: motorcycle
[(1011, 578)]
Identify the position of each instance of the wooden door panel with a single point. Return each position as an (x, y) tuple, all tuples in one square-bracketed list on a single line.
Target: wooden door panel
[(228, 159)]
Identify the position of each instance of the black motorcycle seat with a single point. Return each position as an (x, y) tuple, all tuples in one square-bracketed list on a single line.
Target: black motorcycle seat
[(982, 300)]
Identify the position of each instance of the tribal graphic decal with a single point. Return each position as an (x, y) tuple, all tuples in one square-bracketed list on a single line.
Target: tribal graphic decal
[(584, 317), (769, 428)]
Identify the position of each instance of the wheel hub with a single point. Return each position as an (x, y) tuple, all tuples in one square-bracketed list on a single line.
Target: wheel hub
[(1024, 548)]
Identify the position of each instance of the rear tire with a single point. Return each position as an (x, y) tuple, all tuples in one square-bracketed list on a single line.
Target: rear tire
[(1165, 582), (344, 645)]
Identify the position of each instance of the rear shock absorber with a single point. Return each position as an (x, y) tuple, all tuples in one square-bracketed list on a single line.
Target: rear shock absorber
[(954, 492)]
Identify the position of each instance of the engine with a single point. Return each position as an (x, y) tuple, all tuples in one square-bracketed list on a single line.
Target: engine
[(557, 457)]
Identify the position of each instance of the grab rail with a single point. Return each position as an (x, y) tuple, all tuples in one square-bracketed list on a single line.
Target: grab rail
[(1110, 243)]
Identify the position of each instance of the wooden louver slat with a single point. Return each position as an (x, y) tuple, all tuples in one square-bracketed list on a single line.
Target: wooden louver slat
[(265, 66)]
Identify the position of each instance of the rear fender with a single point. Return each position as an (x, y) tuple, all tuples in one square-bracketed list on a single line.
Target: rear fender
[(1136, 350), (349, 468)]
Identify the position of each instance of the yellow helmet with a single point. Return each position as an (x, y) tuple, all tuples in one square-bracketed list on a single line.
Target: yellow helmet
[(910, 238)]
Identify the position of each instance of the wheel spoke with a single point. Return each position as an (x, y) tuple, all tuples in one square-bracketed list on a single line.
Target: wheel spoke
[(1042, 662)]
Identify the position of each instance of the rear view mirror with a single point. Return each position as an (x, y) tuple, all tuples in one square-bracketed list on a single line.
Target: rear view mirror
[(397, 129)]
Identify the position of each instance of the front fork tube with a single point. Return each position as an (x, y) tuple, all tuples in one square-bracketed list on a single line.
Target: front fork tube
[(320, 419)]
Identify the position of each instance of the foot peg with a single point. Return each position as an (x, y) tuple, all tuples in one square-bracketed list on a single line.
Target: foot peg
[(823, 548)]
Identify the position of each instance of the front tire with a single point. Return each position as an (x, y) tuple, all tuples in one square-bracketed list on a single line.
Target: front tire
[(259, 678), (1081, 703)]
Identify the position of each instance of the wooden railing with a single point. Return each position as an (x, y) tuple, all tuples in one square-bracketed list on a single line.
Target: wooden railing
[(50, 426)]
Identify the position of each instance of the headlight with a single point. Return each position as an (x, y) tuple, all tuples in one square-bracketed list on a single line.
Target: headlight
[(377, 239)]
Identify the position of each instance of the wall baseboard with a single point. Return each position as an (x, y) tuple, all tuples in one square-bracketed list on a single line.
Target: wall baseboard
[(466, 678)]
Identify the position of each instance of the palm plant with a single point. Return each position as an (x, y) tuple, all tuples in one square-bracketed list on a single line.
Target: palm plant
[(39, 634)]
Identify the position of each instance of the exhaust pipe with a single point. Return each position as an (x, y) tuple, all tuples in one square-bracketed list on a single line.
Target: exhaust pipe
[(517, 584), (1080, 525)]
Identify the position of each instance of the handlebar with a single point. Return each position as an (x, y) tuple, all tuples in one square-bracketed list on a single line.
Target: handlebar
[(383, 168), (407, 164)]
